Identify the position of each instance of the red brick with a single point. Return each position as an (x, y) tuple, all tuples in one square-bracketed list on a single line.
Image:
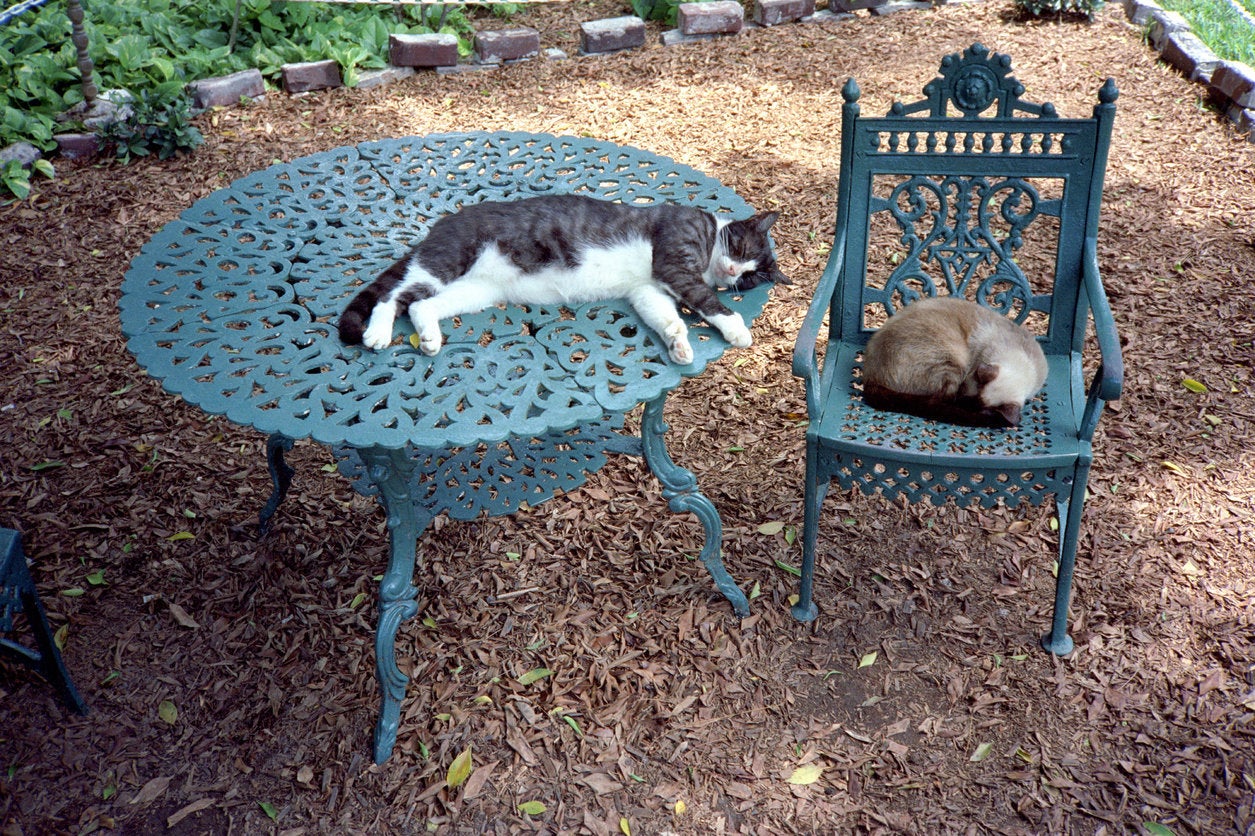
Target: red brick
[(772, 12), (612, 34), (311, 75), (227, 89), (432, 50), (493, 47), (722, 17)]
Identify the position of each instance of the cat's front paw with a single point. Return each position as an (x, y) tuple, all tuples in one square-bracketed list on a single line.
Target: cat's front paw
[(733, 329), (678, 347)]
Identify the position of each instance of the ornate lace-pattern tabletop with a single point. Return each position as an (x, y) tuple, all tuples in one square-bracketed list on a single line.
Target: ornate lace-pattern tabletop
[(233, 305)]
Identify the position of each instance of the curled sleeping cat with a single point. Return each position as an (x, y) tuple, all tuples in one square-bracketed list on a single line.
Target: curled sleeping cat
[(570, 249), (953, 360)]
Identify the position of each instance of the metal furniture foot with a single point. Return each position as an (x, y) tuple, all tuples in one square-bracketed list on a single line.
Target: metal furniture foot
[(391, 471), (679, 488), (17, 589)]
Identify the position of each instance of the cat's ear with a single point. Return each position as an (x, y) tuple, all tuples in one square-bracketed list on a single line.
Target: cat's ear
[(764, 220), (985, 373)]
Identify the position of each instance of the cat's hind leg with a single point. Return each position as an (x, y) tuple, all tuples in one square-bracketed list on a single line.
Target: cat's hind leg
[(660, 313), (465, 296), (427, 326)]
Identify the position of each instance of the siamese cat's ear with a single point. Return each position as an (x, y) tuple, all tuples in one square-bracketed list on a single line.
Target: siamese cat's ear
[(986, 373)]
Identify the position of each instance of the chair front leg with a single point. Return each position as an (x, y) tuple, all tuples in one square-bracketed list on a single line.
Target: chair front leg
[(1070, 510)]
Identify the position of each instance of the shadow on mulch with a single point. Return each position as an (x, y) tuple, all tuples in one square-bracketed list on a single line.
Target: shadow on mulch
[(663, 713)]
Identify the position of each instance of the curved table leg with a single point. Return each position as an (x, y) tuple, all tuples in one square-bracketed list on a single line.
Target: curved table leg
[(390, 471), (679, 487), (281, 474)]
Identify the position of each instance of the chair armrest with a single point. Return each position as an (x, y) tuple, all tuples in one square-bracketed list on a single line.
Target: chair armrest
[(1109, 379), (805, 355)]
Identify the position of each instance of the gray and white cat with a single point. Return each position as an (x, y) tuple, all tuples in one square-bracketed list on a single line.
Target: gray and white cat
[(570, 249)]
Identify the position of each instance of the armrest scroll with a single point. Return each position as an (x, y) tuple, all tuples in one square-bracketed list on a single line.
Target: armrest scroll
[(805, 355), (1109, 379)]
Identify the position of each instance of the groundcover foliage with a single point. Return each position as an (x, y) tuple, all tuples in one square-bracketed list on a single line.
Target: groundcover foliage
[(157, 45)]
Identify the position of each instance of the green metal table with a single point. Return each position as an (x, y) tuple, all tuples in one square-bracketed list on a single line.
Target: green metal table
[(233, 307)]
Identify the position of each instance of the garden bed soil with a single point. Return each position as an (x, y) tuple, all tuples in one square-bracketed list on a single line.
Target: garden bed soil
[(663, 712)]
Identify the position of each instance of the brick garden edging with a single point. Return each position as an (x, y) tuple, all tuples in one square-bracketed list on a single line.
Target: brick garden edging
[(1230, 84)]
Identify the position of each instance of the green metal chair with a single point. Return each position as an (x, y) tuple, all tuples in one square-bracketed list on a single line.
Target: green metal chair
[(18, 594), (974, 193)]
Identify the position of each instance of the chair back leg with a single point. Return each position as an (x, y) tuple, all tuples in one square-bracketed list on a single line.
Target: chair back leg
[(816, 489)]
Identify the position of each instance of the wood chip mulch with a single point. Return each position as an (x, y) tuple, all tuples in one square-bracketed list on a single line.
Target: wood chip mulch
[(663, 713)]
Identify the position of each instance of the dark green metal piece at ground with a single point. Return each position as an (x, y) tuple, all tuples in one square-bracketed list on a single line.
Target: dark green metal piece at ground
[(19, 594), (976, 193), (233, 307)]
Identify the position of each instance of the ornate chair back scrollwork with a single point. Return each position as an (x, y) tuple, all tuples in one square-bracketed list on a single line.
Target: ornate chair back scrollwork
[(975, 193)]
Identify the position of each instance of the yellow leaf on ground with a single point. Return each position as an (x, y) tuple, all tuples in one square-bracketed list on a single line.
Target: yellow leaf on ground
[(808, 774), (460, 769)]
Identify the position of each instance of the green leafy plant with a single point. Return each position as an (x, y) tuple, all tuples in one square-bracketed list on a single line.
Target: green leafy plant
[(15, 178), (1043, 8), (138, 46), (665, 10), (160, 123)]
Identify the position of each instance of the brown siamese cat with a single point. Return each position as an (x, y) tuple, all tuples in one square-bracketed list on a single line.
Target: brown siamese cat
[(955, 361)]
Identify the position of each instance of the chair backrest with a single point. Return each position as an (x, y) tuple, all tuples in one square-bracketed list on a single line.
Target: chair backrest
[(971, 192)]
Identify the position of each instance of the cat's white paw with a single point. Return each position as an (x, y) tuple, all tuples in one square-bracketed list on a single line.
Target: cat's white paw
[(681, 352), (733, 329), (740, 339), (428, 329), (678, 347), (430, 345), (377, 339)]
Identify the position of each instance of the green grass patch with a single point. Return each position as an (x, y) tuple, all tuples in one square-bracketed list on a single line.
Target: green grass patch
[(1220, 26)]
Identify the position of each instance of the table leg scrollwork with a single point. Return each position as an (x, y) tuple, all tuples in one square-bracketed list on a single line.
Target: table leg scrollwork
[(391, 471), (679, 488), (281, 474)]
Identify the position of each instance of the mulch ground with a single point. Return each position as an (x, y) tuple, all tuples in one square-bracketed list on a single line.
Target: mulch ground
[(663, 712)]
